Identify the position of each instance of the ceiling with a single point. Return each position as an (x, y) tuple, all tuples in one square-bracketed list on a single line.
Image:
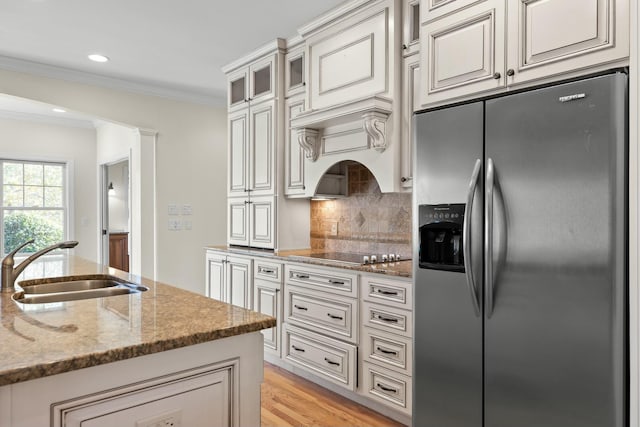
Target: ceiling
[(168, 48)]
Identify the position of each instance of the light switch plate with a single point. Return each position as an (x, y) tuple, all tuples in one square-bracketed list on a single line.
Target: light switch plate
[(187, 210), (173, 209)]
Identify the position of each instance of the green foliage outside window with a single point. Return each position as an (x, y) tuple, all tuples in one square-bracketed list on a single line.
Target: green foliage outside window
[(43, 226)]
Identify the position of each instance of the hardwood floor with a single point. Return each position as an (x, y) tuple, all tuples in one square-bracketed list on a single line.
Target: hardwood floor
[(291, 401)]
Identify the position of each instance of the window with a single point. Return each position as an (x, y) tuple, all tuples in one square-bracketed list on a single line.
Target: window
[(34, 204)]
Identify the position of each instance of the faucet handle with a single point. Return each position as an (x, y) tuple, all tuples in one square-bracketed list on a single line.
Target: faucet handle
[(15, 251)]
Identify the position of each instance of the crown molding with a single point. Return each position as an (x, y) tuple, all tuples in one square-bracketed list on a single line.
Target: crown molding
[(138, 87), (333, 16), (266, 49)]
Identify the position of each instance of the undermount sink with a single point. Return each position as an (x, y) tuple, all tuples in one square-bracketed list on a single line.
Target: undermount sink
[(61, 289)]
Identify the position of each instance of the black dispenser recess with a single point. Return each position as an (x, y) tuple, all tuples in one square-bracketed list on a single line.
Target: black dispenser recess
[(441, 237)]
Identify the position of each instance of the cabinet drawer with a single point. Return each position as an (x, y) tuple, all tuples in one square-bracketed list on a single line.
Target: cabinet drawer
[(389, 350), (331, 280), (330, 359), (388, 319), (396, 293), (266, 270), (387, 387), (318, 311)]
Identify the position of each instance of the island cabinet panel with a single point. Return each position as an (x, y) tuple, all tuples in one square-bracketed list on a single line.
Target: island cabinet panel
[(211, 384), (351, 63), (201, 399), (267, 299)]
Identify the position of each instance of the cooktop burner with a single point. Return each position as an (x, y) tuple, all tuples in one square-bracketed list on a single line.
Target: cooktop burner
[(350, 258)]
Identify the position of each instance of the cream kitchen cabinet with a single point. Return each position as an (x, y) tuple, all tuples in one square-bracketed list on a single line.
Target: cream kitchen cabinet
[(252, 139), (410, 27), (386, 341), (229, 278), (294, 72), (294, 154), (252, 83), (251, 221), (267, 299), (410, 103), (477, 47)]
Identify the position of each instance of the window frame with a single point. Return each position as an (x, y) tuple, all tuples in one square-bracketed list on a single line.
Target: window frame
[(67, 202)]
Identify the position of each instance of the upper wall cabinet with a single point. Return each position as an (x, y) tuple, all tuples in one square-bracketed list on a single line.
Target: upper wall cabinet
[(350, 63), (254, 82), (294, 71), (410, 27), (467, 48)]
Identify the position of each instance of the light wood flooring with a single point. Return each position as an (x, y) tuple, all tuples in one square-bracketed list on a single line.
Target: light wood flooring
[(291, 401)]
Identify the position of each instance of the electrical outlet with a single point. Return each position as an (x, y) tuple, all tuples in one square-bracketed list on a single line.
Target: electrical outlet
[(334, 229), (187, 210), (187, 224), (174, 224), (168, 419)]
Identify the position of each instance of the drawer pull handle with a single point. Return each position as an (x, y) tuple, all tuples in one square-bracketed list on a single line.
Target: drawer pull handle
[(331, 362), (297, 348), (382, 350), (336, 282), (387, 389), (299, 307), (387, 319), (266, 270), (301, 276), (333, 316), (380, 291)]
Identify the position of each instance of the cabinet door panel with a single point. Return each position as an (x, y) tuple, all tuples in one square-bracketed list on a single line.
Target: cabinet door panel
[(433, 9), (350, 64), (237, 89), (267, 301), (410, 96), (463, 53), (548, 37), (215, 276), (262, 151), (238, 222), (294, 173), (263, 222), (262, 79), (239, 278), (238, 151)]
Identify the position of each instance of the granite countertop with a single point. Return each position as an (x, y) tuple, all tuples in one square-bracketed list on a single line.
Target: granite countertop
[(47, 339), (402, 268)]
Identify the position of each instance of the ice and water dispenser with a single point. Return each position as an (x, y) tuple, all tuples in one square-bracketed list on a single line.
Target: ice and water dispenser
[(441, 237)]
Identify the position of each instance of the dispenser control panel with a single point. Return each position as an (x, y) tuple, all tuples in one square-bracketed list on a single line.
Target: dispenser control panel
[(441, 237)]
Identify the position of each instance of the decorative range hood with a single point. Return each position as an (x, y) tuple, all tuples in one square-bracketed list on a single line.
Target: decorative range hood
[(373, 112), (360, 131)]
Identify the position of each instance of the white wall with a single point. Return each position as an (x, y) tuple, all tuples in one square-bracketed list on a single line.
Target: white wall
[(190, 162), (119, 200), (21, 139)]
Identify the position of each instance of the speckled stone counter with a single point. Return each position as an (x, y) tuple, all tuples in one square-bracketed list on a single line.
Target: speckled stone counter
[(39, 340), (401, 269)]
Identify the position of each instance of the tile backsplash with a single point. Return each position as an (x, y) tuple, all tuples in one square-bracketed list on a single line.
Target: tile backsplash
[(367, 222)]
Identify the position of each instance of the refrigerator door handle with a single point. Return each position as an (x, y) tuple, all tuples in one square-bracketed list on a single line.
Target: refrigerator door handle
[(466, 237), (488, 236)]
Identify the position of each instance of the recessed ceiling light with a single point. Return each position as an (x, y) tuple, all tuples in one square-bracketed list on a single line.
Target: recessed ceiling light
[(59, 110), (98, 58)]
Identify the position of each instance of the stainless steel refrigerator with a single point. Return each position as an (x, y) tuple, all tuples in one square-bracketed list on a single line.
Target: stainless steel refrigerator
[(520, 235)]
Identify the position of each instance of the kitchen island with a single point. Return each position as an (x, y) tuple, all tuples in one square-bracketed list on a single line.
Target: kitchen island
[(137, 359)]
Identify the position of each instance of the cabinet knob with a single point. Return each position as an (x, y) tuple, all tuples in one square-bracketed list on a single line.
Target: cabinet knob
[(497, 76), (304, 83), (510, 72), (404, 46), (405, 179)]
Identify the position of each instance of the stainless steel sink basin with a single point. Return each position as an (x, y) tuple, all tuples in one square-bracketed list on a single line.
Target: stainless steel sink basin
[(74, 288)]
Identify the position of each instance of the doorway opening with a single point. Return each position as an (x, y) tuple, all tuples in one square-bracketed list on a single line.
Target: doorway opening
[(116, 215)]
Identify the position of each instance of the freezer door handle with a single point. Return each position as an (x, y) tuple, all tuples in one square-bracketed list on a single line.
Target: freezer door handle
[(488, 237), (466, 237)]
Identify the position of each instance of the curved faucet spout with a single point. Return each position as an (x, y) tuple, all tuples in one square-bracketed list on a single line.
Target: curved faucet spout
[(10, 274)]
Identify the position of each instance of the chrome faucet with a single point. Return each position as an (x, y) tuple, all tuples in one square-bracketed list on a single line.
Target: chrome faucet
[(10, 274)]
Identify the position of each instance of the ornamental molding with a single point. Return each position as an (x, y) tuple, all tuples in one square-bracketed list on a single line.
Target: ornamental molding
[(375, 125), (310, 143)]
